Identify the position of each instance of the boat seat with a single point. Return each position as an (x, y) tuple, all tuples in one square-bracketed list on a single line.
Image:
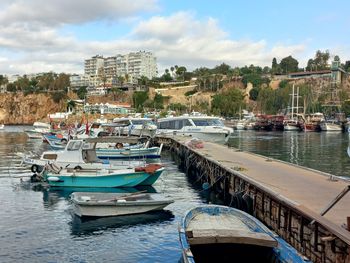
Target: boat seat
[(211, 236)]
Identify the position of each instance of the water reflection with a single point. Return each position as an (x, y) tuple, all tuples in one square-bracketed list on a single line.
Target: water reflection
[(325, 151), (89, 226)]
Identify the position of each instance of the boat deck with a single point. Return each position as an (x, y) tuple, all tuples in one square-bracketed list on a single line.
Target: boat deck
[(305, 187)]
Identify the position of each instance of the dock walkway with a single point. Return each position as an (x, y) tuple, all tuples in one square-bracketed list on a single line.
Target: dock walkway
[(306, 187)]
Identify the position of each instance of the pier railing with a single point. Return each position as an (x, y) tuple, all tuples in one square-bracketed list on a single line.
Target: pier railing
[(311, 234)]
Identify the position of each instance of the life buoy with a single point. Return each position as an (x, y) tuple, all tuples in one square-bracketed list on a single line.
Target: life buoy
[(64, 140), (34, 168)]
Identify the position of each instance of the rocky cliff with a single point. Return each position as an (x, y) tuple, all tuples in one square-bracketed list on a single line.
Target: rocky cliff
[(19, 109)]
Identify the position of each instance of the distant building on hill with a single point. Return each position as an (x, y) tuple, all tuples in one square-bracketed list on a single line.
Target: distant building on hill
[(118, 70)]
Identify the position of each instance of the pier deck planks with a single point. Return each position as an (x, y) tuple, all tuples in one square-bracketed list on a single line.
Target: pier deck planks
[(309, 188)]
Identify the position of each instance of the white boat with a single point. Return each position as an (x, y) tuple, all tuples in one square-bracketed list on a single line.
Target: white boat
[(116, 204), (135, 126), (2, 126), (39, 128), (206, 128), (331, 125), (80, 154), (240, 125), (291, 123)]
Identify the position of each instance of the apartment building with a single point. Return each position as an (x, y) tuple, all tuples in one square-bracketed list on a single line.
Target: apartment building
[(131, 67), (94, 66)]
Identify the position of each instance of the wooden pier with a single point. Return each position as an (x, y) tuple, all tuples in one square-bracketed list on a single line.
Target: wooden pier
[(288, 198)]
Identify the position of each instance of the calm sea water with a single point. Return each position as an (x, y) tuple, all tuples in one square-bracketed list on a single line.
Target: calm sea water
[(37, 224), (324, 151)]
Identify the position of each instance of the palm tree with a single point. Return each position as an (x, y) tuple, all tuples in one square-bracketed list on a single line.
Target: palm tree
[(172, 72)]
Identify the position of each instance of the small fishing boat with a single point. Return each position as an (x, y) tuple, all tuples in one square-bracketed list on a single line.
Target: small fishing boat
[(214, 233), (39, 128), (70, 177), (80, 153), (116, 204), (129, 153)]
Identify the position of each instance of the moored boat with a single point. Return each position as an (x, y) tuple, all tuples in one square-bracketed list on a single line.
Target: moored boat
[(135, 126), (70, 177), (116, 204), (331, 126), (206, 128), (212, 233), (39, 128)]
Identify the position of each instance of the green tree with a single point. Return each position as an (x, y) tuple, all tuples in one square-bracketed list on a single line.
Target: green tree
[(57, 96), (289, 64), (221, 69), (139, 98), (228, 103), (3, 80), (321, 60), (254, 93), (82, 91), (274, 66), (158, 101), (11, 87)]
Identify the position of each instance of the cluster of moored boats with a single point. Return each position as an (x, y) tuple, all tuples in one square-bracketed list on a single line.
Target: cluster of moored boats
[(99, 156), (315, 122)]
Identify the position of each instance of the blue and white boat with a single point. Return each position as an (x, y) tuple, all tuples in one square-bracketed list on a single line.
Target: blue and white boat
[(213, 233), (129, 153), (132, 177)]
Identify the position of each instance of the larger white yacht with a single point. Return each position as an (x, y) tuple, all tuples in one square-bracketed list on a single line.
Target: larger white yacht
[(135, 126), (203, 127)]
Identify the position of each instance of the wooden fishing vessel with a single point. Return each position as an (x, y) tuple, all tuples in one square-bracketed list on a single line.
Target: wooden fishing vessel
[(213, 233)]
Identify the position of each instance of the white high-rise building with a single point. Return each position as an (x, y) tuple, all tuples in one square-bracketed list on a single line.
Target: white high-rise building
[(140, 64), (131, 67), (94, 66)]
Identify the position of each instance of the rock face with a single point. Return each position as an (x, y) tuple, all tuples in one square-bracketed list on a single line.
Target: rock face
[(15, 108)]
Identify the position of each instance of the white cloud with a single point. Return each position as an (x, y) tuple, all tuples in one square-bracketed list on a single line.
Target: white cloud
[(58, 12), (33, 42)]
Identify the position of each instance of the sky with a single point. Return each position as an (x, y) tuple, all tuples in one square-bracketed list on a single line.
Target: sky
[(58, 35)]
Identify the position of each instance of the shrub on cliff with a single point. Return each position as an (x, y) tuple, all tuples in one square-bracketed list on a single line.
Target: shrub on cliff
[(58, 96)]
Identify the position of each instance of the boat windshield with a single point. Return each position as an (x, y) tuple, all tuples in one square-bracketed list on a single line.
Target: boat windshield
[(208, 122), (74, 145), (142, 122)]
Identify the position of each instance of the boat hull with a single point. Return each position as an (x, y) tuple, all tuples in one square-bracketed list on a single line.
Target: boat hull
[(150, 153), (331, 127), (82, 179), (116, 204)]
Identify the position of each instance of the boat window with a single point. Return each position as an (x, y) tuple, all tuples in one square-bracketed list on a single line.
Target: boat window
[(171, 125), (74, 145), (88, 146), (95, 125), (187, 123), (207, 122), (164, 125), (50, 156), (178, 124)]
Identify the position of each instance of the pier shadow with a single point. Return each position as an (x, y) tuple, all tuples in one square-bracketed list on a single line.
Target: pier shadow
[(87, 226)]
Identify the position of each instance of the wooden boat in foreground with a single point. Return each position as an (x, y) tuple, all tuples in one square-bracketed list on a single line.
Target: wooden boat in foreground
[(116, 204), (214, 233)]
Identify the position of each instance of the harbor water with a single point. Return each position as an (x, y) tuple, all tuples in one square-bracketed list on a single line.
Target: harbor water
[(323, 151), (37, 224)]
